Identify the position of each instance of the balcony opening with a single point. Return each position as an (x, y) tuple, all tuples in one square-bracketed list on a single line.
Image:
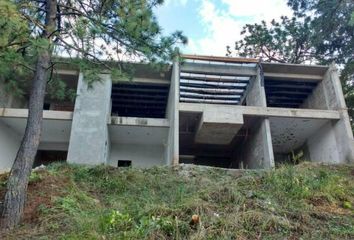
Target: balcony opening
[(139, 100), (46, 157), (288, 93)]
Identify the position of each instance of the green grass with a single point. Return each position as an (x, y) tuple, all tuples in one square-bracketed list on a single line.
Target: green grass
[(293, 202)]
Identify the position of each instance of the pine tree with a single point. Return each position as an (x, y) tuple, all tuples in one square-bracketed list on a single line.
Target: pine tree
[(92, 33)]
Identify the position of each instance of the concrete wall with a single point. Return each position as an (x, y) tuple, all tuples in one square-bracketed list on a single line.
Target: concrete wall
[(317, 99), (89, 138), (57, 146), (256, 93), (141, 155), (9, 144), (322, 145), (330, 96), (258, 150), (172, 113)]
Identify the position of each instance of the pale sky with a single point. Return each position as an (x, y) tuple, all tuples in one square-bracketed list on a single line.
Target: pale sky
[(211, 25)]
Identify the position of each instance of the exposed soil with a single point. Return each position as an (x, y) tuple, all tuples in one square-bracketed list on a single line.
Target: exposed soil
[(41, 192)]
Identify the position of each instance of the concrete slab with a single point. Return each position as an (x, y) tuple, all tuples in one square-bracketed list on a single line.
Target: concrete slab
[(47, 114), (218, 127), (262, 111), (289, 134), (52, 131), (218, 69)]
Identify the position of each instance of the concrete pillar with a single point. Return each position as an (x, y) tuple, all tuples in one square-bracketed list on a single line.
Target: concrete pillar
[(335, 142), (89, 140), (172, 113), (258, 149)]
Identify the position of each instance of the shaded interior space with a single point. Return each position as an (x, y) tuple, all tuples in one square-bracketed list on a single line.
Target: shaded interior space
[(46, 157), (67, 80), (142, 100), (191, 152), (55, 137), (55, 133), (288, 93), (231, 155), (292, 85), (292, 138), (143, 146), (214, 82)]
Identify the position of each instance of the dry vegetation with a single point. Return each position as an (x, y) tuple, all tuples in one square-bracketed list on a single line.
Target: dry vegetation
[(293, 202)]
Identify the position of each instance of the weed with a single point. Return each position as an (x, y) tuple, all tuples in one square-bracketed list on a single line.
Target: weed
[(292, 202)]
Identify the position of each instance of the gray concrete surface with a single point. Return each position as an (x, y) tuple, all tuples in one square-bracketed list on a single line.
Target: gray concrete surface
[(172, 114), (89, 138), (320, 126)]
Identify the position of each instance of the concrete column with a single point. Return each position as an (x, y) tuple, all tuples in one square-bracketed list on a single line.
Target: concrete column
[(335, 143), (172, 113), (89, 140), (256, 93), (258, 150)]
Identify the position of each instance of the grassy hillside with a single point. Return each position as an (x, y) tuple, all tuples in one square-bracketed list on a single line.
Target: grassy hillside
[(292, 202)]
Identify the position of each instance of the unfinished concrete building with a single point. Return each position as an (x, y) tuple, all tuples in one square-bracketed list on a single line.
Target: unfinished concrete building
[(225, 112)]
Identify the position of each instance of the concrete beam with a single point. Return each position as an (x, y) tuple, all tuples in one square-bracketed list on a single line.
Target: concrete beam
[(146, 81), (220, 59), (47, 114), (143, 122), (292, 76), (294, 68), (67, 72), (262, 111), (218, 69), (218, 127)]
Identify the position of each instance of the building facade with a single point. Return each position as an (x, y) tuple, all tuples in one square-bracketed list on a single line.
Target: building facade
[(225, 112)]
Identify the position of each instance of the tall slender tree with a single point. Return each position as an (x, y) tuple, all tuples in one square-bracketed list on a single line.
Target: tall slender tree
[(93, 32)]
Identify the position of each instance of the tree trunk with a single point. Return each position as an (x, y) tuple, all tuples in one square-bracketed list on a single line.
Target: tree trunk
[(15, 196)]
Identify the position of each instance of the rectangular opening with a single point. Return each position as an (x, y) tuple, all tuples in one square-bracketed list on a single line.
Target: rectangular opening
[(246, 150), (46, 157), (124, 163), (212, 82), (291, 138), (139, 100), (284, 93)]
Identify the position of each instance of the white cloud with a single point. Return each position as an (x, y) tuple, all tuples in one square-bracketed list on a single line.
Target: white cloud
[(176, 2), (223, 26), (258, 9)]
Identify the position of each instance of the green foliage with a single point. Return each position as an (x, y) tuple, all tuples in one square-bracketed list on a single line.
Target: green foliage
[(116, 221), (14, 34), (287, 41), (303, 201), (35, 177), (321, 31), (90, 37), (13, 27)]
